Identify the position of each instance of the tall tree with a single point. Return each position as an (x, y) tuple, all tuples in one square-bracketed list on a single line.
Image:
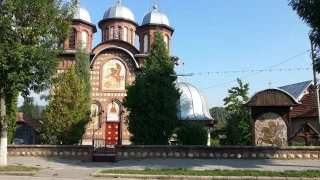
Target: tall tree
[(30, 108), (151, 100), (239, 125), (309, 12), (220, 114), (67, 114), (82, 67), (31, 31), (11, 100)]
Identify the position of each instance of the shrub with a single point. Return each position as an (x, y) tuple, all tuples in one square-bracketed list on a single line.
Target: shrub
[(192, 133), (215, 142), (295, 143)]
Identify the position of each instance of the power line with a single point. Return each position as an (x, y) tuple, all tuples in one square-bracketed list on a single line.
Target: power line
[(259, 71), (243, 71)]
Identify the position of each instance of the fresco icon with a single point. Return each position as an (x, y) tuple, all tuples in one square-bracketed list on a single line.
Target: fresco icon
[(113, 113), (94, 124), (114, 74), (270, 130)]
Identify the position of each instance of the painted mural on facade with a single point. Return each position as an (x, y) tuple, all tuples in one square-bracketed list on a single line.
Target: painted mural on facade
[(94, 124), (114, 74), (270, 130), (113, 113)]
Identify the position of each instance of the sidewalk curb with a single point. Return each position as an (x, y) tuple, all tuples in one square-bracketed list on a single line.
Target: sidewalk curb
[(142, 176), (18, 173)]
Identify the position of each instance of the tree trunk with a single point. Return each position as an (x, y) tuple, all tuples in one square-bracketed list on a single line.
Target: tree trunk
[(3, 130)]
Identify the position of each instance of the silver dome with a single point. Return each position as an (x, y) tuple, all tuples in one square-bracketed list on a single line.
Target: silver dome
[(119, 11), (155, 17), (82, 14), (192, 105)]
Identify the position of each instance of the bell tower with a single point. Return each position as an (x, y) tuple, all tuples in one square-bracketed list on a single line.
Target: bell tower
[(151, 22)]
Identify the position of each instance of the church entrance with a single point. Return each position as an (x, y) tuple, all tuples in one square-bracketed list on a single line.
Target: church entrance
[(112, 134)]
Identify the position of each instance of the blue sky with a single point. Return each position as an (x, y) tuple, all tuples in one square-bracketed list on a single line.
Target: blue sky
[(228, 35)]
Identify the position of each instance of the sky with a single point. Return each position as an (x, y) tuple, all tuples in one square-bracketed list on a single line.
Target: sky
[(227, 35)]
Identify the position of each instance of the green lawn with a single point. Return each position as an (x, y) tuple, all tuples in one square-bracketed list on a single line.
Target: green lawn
[(13, 168), (189, 172)]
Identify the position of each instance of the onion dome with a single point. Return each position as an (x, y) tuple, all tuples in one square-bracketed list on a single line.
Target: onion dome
[(119, 11), (192, 105), (82, 14), (155, 17)]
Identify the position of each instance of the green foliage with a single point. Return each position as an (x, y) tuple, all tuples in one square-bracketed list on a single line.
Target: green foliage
[(220, 129), (219, 113), (239, 125), (82, 67), (11, 100), (192, 133), (295, 143), (31, 31), (218, 172), (68, 112), (215, 142), (30, 108), (151, 99), (309, 12)]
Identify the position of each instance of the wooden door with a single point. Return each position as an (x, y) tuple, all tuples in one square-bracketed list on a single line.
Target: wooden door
[(112, 133)]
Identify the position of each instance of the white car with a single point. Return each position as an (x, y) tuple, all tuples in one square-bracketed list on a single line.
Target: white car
[(18, 141)]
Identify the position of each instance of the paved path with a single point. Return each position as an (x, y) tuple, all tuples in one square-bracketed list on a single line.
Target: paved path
[(58, 168)]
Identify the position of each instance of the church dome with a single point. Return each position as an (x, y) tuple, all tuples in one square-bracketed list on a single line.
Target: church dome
[(192, 105), (155, 17), (119, 11), (82, 14)]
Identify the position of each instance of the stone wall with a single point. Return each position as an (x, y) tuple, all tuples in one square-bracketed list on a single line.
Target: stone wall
[(83, 153), (208, 152)]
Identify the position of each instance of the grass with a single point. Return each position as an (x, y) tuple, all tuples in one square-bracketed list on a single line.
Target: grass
[(189, 172), (13, 168)]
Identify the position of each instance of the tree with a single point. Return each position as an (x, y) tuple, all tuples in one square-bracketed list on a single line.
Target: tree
[(29, 108), (82, 67), (309, 12), (220, 114), (31, 31), (239, 125), (192, 133), (67, 114), (151, 99), (11, 100)]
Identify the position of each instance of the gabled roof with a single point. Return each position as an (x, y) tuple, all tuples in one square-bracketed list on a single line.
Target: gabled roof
[(308, 107), (296, 89), (32, 122)]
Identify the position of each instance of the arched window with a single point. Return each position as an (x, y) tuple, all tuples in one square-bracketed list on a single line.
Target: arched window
[(145, 43), (112, 32), (95, 115), (129, 37), (118, 32), (132, 36), (85, 38), (72, 39), (106, 34), (125, 34), (166, 40)]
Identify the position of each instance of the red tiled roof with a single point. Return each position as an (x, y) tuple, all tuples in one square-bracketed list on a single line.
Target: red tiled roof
[(308, 107), (32, 122)]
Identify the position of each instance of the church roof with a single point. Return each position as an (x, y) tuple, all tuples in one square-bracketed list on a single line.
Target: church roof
[(296, 89), (119, 11), (192, 104), (155, 17)]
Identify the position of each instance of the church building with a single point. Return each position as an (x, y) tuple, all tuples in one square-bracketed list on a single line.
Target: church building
[(114, 63)]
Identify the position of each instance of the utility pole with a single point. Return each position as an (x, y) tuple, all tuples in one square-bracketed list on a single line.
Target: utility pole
[(313, 57)]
